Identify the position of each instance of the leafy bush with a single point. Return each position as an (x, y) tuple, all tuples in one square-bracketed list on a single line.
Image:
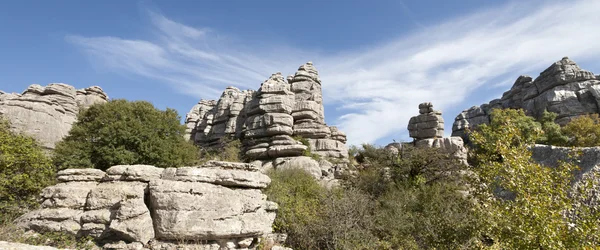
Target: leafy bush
[(317, 218), (420, 198), (123, 132), (24, 172), (435, 216), (299, 197), (531, 213), (553, 133), (584, 131)]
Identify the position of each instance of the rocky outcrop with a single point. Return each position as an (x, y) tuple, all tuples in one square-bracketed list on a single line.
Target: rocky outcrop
[(269, 123), (428, 124), (427, 130), (282, 119), (47, 113), (219, 203), (563, 88)]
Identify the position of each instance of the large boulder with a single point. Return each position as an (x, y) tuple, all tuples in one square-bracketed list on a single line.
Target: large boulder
[(47, 113), (204, 211), (131, 205)]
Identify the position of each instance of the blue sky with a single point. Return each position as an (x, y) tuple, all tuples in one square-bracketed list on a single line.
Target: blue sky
[(377, 59)]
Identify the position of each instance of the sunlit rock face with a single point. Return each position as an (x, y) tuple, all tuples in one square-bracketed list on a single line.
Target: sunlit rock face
[(47, 113), (284, 118), (218, 203), (563, 88)]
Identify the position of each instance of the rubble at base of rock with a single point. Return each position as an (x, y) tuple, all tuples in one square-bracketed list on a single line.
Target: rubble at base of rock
[(219, 202)]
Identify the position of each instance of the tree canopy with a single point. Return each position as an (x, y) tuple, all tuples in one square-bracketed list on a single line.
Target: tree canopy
[(124, 132)]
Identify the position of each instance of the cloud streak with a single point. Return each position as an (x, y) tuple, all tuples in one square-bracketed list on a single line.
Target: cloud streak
[(378, 89)]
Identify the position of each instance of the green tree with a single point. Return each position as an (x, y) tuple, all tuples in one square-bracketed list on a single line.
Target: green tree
[(525, 203), (24, 172), (123, 132), (552, 132)]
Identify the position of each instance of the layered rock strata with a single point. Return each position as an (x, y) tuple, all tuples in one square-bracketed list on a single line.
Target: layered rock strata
[(47, 113), (281, 119), (563, 88), (428, 124), (219, 203), (427, 130)]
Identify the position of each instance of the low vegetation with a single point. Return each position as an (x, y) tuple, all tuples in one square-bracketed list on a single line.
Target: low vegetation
[(420, 198)]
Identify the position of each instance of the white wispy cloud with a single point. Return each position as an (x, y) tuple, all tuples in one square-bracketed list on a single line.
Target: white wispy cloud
[(378, 89)]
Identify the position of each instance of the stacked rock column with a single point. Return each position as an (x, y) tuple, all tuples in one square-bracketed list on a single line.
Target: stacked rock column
[(429, 124), (309, 118), (269, 123)]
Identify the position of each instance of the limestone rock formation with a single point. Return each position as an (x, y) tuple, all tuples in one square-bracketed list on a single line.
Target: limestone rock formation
[(47, 113), (198, 112), (280, 120), (427, 129), (269, 122), (219, 203), (428, 124), (450, 145), (563, 88)]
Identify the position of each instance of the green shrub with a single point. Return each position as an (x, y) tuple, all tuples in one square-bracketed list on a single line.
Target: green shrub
[(436, 216), (24, 172), (552, 132), (317, 218), (299, 197), (584, 131), (123, 132), (532, 216)]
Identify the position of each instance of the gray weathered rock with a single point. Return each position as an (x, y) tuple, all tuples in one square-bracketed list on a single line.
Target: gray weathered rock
[(197, 210), (80, 174), (451, 145), (219, 203), (269, 120), (301, 162), (143, 173), (428, 124), (588, 161), (562, 88), (47, 113), (223, 177)]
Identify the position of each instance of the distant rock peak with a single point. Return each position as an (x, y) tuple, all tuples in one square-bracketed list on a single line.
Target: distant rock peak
[(563, 88)]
